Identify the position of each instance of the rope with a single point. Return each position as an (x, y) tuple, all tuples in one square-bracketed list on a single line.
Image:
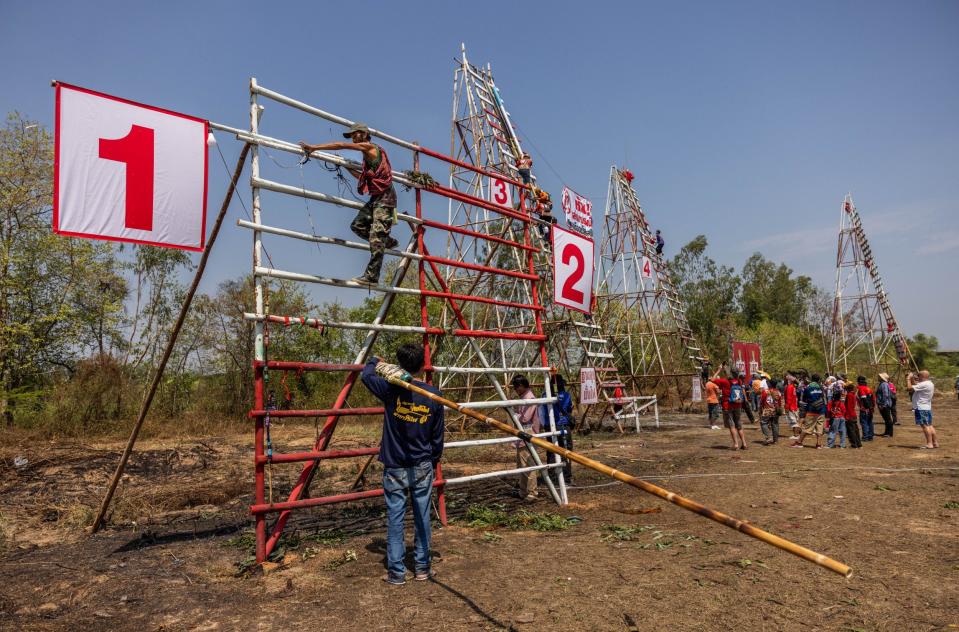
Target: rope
[(805, 469), (249, 216)]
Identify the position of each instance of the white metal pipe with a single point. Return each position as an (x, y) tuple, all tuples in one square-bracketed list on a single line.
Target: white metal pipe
[(276, 96), (330, 241), (474, 442), (500, 473), (509, 369), (314, 322), (259, 351), (269, 185), (504, 403), (312, 278)]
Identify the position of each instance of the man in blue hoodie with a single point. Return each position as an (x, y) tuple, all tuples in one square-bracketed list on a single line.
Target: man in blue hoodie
[(412, 444)]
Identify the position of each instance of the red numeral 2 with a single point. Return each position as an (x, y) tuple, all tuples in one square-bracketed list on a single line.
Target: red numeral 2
[(135, 150), (570, 292)]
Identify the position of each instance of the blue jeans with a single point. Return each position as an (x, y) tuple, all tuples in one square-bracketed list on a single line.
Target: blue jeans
[(837, 426), (865, 420), (418, 479)]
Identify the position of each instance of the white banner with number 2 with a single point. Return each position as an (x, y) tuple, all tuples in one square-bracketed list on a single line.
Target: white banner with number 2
[(573, 270), (499, 192), (128, 172)]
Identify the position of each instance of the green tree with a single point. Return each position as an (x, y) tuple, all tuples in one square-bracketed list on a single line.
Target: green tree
[(47, 321), (710, 293)]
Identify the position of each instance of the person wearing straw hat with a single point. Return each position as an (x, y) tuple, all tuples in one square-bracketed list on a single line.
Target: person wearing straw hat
[(884, 403), (375, 220)]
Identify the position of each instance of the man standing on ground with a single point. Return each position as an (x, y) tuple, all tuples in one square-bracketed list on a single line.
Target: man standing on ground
[(922, 390), (884, 402), (734, 402), (529, 418), (814, 413), (792, 404), (771, 407), (713, 393), (867, 406), (377, 216), (412, 445)]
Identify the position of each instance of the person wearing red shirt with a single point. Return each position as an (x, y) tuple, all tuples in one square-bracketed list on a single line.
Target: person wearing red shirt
[(837, 421), (852, 424), (792, 404), (867, 404), (732, 400)]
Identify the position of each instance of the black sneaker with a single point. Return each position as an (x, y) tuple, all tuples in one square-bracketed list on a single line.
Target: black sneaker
[(364, 281), (391, 243)]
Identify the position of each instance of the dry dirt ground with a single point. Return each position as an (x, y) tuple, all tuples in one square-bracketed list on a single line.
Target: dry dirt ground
[(169, 559)]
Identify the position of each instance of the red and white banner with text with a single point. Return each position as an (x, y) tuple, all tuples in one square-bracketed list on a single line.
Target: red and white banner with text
[(579, 211), (588, 393), (128, 172), (573, 270), (746, 357)]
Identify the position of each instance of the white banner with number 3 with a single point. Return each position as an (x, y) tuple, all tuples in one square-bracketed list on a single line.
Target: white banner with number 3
[(128, 172), (499, 192), (573, 270)]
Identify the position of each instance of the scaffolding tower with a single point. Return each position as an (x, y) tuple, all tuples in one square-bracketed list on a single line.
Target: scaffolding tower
[(864, 330), (650, 334), (484, 135), (416, 275)]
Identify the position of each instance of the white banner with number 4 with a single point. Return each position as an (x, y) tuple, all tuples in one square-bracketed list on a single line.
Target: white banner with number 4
[(573, 270), (128, 172)]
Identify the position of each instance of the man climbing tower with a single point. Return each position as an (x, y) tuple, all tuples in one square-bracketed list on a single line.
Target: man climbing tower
[(376, 218)]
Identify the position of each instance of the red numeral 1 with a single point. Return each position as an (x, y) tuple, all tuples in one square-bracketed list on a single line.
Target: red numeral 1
[(135, 150)]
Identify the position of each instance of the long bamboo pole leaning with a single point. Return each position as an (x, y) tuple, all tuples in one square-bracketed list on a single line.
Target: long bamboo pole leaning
[(184, 310), (676, 499)]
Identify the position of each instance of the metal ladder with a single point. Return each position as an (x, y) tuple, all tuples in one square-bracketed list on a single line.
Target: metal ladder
[(892, 326), (675, 305), (602, 360)]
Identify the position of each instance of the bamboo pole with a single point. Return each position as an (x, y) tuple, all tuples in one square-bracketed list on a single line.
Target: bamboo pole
[(685, 503), (184, 310)]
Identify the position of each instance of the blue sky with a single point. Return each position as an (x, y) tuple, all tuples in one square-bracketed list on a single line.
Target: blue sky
[(746, 121)]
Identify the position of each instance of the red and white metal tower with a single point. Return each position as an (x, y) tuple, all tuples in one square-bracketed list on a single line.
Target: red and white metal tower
[(864, 332), (650, 334)]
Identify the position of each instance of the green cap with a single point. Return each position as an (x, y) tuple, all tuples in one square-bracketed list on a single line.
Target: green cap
[(356, 127)]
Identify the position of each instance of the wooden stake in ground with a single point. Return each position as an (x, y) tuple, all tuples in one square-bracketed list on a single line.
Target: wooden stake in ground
[(685, 503), (184, 310)]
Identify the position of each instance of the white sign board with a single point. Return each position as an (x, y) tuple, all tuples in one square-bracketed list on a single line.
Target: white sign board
[(579, 211), (573, 270), (647, 270), (128, 172), (500, 192), (588, 394), (697, 395)]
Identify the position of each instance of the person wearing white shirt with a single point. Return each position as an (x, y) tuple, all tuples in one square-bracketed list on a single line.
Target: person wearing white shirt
[(922, 390)]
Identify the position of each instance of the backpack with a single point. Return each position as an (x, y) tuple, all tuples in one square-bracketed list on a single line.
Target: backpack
[(736, 394), (892, 389)]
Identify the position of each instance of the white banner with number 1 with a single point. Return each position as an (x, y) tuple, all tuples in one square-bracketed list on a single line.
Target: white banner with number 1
[(573, 270), (128, 172)]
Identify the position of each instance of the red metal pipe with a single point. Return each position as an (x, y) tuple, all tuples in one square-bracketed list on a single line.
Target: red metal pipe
[(480, 299), (480, 268), (324, 412), (321, 442), (474, 168), (258, 452), (296, 457), (288, 505), (477, 235), (472, 200)]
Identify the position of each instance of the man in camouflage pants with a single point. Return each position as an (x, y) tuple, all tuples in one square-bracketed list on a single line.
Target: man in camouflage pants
[(376, 218)]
